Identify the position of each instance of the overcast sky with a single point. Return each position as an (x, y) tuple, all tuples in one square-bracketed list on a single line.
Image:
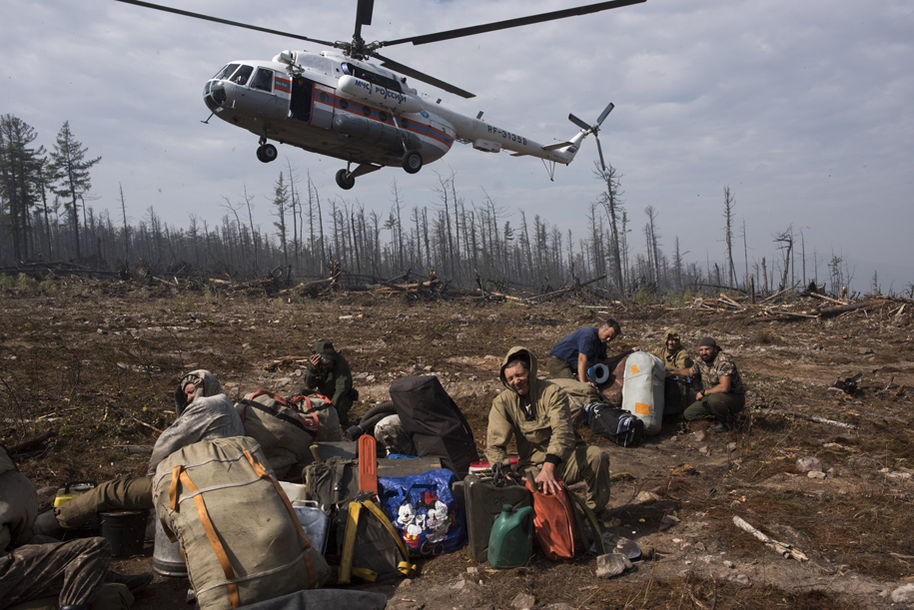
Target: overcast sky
[(804, 108)]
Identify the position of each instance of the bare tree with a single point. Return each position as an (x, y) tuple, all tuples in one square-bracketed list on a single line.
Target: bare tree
[(784, 241), (611, 199), (728, 235)]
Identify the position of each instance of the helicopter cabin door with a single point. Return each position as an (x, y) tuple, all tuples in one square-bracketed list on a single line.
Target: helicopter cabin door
[(300, 106)]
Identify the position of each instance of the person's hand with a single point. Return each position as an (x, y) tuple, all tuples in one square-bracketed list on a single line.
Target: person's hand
[(699, 395), (314, 360), (546, 479)]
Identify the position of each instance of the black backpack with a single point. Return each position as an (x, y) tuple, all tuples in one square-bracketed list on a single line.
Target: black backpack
[(615, 423), (434, 422)]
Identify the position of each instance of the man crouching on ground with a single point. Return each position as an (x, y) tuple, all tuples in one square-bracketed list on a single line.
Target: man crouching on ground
[(535, 413)]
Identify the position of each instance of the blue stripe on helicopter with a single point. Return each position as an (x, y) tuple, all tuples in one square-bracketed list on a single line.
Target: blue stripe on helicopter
[(373, 113), (282, 84)]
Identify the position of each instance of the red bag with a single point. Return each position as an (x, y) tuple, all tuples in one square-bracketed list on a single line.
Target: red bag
[(553, 522)]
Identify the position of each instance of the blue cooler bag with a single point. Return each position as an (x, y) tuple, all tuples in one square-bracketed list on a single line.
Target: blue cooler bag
[(424, 511)]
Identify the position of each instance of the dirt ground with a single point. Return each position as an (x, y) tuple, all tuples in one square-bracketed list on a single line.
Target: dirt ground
[(94, 365)]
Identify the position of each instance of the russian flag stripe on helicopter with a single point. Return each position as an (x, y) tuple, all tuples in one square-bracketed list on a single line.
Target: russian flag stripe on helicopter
[(282, 84)]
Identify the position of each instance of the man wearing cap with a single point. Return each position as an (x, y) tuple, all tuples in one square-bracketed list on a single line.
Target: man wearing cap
[(672, 353), (329, 373), (578, 351), (722, 393), (676, 388)]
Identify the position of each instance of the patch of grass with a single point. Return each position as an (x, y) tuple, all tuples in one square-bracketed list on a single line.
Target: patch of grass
[(766, 337)]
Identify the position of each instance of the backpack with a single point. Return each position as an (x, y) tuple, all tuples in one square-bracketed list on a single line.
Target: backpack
[(369, 546), (553, 522), (424, 511), (616, 424), (227, 510), (434, 422), (331, 483), (281, 430), (321, 418)]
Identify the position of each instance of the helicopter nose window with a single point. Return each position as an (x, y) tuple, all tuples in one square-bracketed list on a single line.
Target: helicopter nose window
[(241, 76), (226, 71), (263, 80)]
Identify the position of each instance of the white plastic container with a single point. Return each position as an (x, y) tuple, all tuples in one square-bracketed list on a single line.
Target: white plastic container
[(642, 389)]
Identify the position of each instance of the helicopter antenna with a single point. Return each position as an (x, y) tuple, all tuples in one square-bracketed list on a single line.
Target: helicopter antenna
[(594, 129)]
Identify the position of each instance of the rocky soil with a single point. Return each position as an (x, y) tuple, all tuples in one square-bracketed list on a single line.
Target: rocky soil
[(92, 367)]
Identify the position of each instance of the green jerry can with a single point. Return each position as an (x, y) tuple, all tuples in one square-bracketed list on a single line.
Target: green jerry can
[(511, 539)]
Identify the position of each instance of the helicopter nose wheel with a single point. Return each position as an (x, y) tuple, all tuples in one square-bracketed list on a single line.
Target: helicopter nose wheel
[(266, 153), (412, 162), (345, 180)]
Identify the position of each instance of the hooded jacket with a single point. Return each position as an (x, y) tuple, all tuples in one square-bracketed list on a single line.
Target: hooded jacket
[(543, 434), (209, 415), (18, 505)]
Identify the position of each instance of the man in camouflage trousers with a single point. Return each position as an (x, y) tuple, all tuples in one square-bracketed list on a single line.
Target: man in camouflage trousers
[(72, 571), (722, 394)]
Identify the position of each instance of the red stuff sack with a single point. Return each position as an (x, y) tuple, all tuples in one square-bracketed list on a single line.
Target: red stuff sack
[(553, 522)]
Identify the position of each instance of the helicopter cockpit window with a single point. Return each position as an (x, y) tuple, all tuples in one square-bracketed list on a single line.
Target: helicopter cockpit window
[(226, 71), (241, 76), (263, 79)]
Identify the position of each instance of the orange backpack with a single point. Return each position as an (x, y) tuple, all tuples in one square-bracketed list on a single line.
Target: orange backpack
[(553, 522)]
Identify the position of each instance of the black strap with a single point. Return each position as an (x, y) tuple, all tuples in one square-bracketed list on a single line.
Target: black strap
[(276, 413)]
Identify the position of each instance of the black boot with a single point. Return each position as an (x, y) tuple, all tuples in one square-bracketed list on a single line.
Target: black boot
[(134, 582), (46, 524)]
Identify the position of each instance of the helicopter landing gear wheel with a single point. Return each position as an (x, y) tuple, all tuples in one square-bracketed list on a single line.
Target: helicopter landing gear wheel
[(345, 180), (412, 162), (266, 153)]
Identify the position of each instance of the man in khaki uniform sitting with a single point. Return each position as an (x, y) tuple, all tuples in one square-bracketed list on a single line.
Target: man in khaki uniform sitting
[(535, 413)]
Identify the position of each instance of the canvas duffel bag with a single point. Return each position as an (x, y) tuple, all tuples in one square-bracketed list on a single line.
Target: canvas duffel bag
[(321, 417), (279, 428), (238, 531)]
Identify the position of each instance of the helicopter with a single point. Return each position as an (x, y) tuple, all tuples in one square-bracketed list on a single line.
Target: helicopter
[(339, 104)]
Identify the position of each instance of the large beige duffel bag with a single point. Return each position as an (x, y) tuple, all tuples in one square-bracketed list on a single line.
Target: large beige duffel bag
[(282, 431), (238, 531)]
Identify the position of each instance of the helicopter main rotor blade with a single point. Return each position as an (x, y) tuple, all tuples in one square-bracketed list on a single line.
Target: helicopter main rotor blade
[(237, 24), (579, 122), (605, 113), (425, 78), (363, 12), (511, 23), (600, 151)]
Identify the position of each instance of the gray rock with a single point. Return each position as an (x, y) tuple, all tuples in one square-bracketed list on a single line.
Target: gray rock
[(805, 464), (903, 594), (729, 564), (612, 564), (523, 601)]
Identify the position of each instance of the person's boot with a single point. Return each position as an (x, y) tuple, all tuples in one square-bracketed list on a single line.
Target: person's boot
[(134, 582), (46, 524)]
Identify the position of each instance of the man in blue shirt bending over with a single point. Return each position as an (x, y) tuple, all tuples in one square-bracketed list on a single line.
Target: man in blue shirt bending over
[(573, 355)]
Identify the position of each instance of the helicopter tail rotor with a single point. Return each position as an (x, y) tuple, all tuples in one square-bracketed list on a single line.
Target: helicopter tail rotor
[(594, 129)]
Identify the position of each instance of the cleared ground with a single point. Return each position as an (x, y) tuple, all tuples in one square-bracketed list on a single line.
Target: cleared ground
[(95, 365)]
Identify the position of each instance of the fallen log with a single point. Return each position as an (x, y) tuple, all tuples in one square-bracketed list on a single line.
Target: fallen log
[(828, 312), (812, 418), (782, 548), (31, 443)]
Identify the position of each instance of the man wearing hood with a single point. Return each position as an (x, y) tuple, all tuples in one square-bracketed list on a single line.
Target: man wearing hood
[(329, 373), (535, 413), (722, 393), (204, 413)]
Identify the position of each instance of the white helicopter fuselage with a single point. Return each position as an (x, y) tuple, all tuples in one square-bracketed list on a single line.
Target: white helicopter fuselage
[(361, 113)]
